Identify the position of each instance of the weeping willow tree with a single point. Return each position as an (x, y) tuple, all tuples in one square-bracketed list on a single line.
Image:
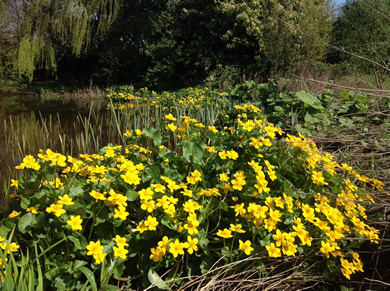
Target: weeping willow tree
[(32, 27)]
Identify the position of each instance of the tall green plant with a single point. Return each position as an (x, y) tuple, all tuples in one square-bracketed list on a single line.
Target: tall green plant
[(36, 27)]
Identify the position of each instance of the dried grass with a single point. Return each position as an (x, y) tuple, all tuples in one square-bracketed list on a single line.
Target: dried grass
[(250, 274)]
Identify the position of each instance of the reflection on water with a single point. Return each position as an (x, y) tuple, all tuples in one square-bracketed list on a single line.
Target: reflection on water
[(29, 123)]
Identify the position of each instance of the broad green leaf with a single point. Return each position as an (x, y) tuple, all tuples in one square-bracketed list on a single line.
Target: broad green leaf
[(309, 99), (78, 264), (118, 270), (156, 280), (80, 243), (25, 222), (154, 134), (152, 172), (192, 152), (132, 195), (75, 191)]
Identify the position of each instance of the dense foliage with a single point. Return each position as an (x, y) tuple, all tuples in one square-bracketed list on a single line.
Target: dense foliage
[(161, 43), (183, 197), (363, 31)]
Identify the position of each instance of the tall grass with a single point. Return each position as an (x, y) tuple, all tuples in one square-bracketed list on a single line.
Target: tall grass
[(86, 133)]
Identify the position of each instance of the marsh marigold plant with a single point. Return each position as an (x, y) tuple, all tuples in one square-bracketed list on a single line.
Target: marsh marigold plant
[(218, 194)]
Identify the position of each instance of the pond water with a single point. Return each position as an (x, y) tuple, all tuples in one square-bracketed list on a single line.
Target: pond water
[(29, 123)]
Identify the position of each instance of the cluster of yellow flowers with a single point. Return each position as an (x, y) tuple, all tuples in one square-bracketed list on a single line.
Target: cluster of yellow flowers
[(95, 249), (243, 176)]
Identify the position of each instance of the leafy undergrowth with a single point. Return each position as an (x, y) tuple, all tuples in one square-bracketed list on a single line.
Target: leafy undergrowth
[(186, 203)]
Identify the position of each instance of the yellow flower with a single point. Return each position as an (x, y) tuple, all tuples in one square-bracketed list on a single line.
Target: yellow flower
[(29, 162), (239, 209), (279, 237), (170, 117), (120, 252), (172, 127), (151, 222), (65, 200), (265, 142), (223, 155), (238, 183), (75, 222), (158, 188), (157, 254), (318, 179), (57, 209), (99, 257), (191, 245), (237, 228), (148, 205), (146, 194), (120, 241), (121, 212), (275, 215), (32, 209), (226, 233), (223, 177), (213, 129), (326, 248), (187, 192), (128, 133), (273, 251), (14, 214), (191, 206), (97, 195), (346, 167), (13, 247), (233, 155), (246, 247), (211, 150), (176, 248), (15, 183), (94, 248), (164, 243), (141, 227)]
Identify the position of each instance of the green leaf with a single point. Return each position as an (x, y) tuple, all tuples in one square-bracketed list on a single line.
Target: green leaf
[(203, 241), (167, 221), (118, 270), (192, 152), (78, 264), (309, 99), (225, 251), (152, 172), (224, 206), (265, 240), (132, 195), (172, 174), (75, 191), (90, 277), (80, 243), (156, 280), (154, 134), (25, 222)]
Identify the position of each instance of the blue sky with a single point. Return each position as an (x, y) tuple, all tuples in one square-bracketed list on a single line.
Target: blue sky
[(338, 2)]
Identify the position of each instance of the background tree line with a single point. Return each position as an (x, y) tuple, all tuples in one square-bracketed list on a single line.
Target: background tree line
[(177, 43)]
